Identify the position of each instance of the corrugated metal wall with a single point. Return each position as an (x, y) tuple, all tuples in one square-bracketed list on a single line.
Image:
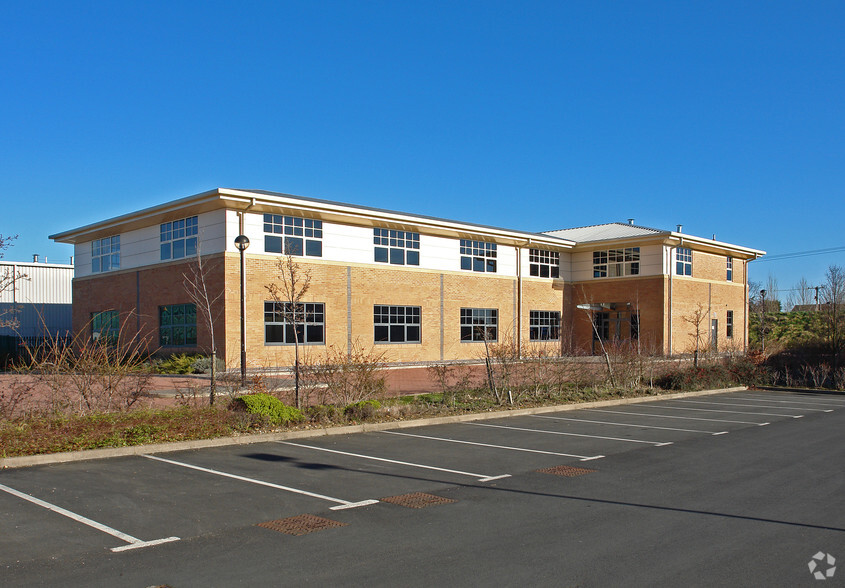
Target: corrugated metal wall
[(43, 284)]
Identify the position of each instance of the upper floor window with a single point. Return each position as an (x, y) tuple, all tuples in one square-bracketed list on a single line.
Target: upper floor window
[(177, 325), (179, 238), (545, 264), (683, 261), (396, 247), (730, 269), (286, 323), (478, 256), (105, 326), (616, 262), (105, 254), (479, 324), (396, 324), (300, 236), (544, 325)]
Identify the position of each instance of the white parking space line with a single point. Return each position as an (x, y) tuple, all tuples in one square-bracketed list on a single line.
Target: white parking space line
[(788, 416), (540, 416), (342, 504), (753, 405), (481, 477), (579, 457), (671, 416), (134, 543), (655, 443), (770, 399), (809, 397)]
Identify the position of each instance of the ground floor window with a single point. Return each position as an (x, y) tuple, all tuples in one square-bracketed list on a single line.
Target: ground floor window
[(479, 324), (286, 323), (105, 326), (544, 325), (177, 325), (729, 324), (396, 324), (616, 325)]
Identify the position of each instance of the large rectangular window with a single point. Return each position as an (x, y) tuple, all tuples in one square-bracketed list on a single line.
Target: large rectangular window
[(307, 318), (105, 254), (105, 326), (729, 266), (478, 324), (544, 325), (683, 261), (177, 325), (292, 235), (478, 256), (544, 264), (613, 263), (179, 238), (396, 247), (729, 325), (396, 324)]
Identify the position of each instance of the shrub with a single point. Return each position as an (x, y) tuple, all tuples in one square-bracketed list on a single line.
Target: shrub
[(177, 364), (202, 365), (267, 406), (363, 409)]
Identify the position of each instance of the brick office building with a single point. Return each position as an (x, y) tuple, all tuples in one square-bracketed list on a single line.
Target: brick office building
[(421, 288)]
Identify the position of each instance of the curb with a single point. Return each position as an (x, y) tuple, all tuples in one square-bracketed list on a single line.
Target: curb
[(90, 454)]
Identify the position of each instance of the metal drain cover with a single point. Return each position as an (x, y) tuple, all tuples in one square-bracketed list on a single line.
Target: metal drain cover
[(417, 500), (301, 525), (568, 471)]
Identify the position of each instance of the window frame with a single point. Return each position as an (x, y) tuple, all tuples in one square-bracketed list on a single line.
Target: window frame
[(182, 234), (616, 263), (396, 247), (683, 261), (544, 261), (475, 319), (105, 254), (729, 325), (393, 320), (543, 320), (306, 328), (729, 268), (105, 333), (187, 327), (299, 236), (478, 256)]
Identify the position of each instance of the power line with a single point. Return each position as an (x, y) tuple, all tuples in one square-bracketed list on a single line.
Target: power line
[(800, 254)]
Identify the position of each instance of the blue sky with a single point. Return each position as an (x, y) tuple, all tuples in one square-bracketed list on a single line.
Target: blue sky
[(727, 117)]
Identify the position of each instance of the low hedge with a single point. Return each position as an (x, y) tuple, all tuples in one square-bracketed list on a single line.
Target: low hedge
[(270, 407)]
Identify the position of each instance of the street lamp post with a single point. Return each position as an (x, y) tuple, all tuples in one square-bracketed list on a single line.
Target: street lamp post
[(763, 322), (242, 242)]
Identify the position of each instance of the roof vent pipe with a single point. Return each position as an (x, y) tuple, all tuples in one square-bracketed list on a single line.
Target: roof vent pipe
[(680, 228), (34, 258), (71, 260), (630, 221)]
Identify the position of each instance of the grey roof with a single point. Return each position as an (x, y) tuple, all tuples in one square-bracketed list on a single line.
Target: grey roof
[(605, 232)]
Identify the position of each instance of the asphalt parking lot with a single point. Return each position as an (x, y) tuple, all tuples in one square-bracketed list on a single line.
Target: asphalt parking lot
[(740, 488)]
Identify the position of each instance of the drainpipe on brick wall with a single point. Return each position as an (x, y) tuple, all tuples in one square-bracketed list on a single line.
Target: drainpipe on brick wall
[(671, 257), (519, 300)]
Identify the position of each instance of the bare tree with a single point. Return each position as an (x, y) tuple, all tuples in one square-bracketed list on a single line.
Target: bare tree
[(197, 282), (696, 320), (288, 294), (802, 294), (8, 278), (833, 311)]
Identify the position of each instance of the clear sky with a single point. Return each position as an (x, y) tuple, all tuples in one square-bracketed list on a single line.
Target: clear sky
[(727, 117)]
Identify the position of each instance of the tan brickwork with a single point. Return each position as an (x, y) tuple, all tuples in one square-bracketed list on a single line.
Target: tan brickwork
[(715, 298)]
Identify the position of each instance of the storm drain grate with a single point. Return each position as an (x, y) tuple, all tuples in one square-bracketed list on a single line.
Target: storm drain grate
[(301, 525), (568, 471), (417, 500)]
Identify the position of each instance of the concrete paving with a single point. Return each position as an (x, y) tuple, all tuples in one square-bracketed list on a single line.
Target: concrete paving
[(669, 503)]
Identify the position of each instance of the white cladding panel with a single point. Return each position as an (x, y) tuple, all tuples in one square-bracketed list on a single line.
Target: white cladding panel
[(43, 284), (651, 263), (142, 247)]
